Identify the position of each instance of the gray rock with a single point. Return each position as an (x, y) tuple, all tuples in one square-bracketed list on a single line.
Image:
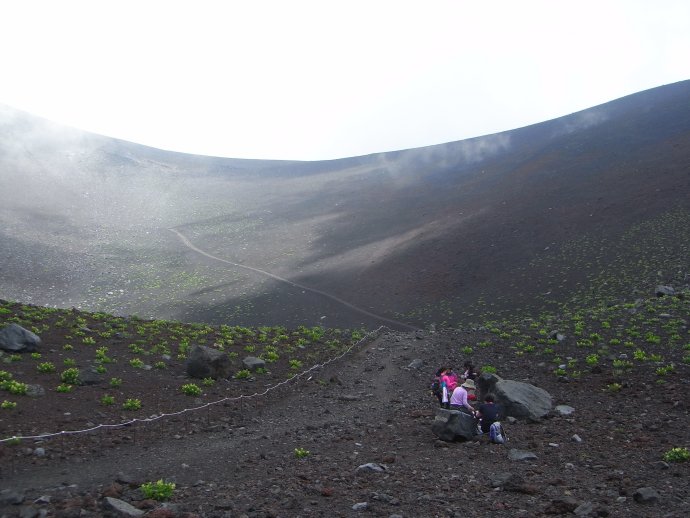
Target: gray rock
[(14, 338), (360, 506), (564, 409), (371, 467), (519, 399), (40, 452), (90, 377), (28, 511), (416, 364), (122, 507), (452, 425), (514, 454), (646, 495), (585, 509), (661, 291), (499, 479), (576, 438), (252, 363), (35, 391), (206, 362), (9, 497)]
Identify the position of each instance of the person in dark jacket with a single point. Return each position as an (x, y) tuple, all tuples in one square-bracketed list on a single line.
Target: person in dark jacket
[(489, 412)]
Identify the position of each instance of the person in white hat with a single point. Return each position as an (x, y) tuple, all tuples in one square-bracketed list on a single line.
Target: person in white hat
[(458, 400)]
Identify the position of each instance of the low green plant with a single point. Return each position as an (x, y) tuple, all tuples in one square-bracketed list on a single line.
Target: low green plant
[(301, 453), (614, 387), (159, 365), (64, 388), (592, 359), (36, 356), (107, 400), (677, 455), (666, 369), (159, 490), (242, 374), (70, 376), (191, 389), (489, 368), (137, 363), (69, 362), (208, 382), (295, 364), (8, 405), (115, 382), (46, 367), (132, 404)]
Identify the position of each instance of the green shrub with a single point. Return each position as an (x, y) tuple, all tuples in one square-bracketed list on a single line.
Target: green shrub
[(488, 368), (70, 376), (132, 404), (107, 400), (64, 388), (46, 367), (158, 490), (8, 405), (242, 374), (677, 455), (191, 389), (301, 453), (115, 382)]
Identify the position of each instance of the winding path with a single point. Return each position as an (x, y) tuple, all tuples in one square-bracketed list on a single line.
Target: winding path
[(345, 303)]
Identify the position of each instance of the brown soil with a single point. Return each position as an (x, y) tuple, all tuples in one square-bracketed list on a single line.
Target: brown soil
[(238, 458)]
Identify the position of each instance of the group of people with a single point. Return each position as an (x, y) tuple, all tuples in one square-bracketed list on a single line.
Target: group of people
[(456, 392)]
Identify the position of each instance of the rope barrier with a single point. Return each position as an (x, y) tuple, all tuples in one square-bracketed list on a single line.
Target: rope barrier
[(194, 409)]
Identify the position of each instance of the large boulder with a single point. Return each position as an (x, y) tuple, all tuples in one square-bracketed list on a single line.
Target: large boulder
[(14, 338), (206, 362), (453, 425), (518, 399)]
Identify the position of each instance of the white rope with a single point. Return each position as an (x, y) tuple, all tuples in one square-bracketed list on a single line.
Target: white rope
[(194, 409)]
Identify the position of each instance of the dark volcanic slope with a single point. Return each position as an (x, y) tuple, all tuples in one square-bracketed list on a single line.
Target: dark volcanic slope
[(438, 234)]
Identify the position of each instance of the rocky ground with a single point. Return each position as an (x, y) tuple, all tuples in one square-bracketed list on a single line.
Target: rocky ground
[(372, 408)]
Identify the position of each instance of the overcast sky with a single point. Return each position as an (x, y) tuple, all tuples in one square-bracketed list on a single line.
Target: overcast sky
[(308, 80)]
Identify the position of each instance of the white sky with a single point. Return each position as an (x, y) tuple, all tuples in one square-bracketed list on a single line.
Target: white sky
[(308, 80)]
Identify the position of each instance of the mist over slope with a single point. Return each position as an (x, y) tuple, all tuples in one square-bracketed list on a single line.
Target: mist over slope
[(536, 216)]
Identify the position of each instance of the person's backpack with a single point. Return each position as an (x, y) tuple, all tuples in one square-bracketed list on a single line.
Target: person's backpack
[(436, 387), (496, 433)]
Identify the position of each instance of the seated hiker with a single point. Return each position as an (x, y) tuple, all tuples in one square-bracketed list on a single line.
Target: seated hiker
[(470, 372), (436, 385), (489, 412), (458, 400), (471, 390)]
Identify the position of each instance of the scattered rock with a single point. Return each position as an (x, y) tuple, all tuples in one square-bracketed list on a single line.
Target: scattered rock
[(646, 495), (361, 506), (14, 338), (661, 291), (514, 454), (206, 362), (253, 363), (371, 467), (563, 505), (564, 410), (576, 438), (519, 399), (122, 507), (452, 425), (416, 364)]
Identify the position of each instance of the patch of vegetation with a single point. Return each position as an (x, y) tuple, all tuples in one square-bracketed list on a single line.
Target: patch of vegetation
[(159, 490)]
